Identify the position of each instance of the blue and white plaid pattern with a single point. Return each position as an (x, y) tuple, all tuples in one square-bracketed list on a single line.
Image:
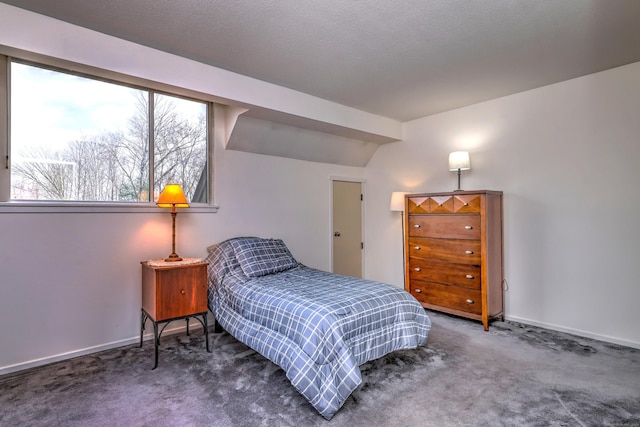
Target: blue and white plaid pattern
[(318, 327), (258, 257), (221, 261)]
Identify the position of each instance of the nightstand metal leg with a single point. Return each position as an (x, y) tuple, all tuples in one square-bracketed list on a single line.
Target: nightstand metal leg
[(157, 331), (156, 340), (143, 320), (205, 327), (206, 331)]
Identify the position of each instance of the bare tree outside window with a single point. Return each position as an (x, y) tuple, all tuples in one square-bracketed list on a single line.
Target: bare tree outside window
[(81, 139), (180, 148)]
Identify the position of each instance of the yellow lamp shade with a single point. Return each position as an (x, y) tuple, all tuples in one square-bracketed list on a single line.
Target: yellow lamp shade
[(171, 196)]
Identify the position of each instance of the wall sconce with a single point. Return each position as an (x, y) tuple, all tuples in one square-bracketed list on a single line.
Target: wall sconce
[(173, 197), (459, 161)]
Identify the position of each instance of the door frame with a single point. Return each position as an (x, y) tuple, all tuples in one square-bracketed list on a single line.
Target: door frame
[(362, 182)]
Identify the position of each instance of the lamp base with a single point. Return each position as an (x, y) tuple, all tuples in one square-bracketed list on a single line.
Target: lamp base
[(459, 189), (173, 258)]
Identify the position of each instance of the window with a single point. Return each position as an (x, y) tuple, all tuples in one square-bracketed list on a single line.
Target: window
[(84, 139)]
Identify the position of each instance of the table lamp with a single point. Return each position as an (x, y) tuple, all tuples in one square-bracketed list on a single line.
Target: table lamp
[(173, 197), (459, 161)]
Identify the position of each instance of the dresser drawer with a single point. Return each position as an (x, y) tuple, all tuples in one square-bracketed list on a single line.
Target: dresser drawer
[(418, 205), (456, 251), (447, 296), (459, 203), (441, 204), (445, 226), (463, 275), (467, 203)]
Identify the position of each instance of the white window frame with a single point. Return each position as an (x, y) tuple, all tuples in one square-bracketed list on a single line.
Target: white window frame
[(54, 206)]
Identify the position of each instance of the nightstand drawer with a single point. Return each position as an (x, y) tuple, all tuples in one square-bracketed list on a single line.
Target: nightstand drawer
[(181, 292), (174, 291)]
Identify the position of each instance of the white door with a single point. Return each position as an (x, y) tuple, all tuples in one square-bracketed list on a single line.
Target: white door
[(347, 228)]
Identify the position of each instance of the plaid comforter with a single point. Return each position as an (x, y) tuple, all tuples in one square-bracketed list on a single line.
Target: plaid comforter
[(317, 326)]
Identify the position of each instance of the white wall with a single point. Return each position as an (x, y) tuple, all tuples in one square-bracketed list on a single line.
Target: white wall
[(71, 281), (566, 158)]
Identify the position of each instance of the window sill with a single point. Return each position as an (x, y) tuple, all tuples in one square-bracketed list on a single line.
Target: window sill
[(94, 207)]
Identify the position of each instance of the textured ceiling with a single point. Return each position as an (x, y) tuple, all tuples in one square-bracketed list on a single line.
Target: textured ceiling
[(400, 59)]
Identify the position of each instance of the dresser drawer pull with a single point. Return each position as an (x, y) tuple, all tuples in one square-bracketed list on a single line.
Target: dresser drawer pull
[(183, 292), (417, 269), (469, 276), (468, 252), (469, 301), (468, 227), (417, 248), (417, 225), (418, 291)]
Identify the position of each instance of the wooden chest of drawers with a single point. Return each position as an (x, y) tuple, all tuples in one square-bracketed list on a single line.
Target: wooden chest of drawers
[(453, 243)]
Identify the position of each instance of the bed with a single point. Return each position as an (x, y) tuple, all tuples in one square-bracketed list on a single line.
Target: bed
[(318, 327)]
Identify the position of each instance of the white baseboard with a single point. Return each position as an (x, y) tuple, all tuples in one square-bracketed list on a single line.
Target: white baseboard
[(89, 350), (578, 332)]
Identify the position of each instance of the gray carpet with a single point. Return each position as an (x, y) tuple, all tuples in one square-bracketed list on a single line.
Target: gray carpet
[(513, 375)]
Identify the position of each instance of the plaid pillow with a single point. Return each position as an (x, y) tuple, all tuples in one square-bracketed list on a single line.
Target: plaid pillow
[(221, 261), (259, 257)]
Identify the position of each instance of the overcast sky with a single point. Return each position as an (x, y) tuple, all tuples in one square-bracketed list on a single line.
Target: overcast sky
[(51, 108)]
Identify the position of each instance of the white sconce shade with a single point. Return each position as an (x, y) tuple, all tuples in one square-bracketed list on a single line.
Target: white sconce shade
[(397, 201), (459, 160)]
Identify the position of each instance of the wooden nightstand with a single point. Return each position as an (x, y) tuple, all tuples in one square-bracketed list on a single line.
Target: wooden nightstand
[(172, 292)]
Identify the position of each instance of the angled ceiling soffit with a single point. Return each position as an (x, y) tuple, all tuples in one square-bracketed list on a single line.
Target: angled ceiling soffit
[(260, 136)]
